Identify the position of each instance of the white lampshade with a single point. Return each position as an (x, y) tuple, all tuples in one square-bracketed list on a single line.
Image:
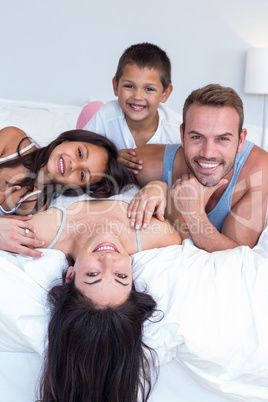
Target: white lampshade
[(256, 79)]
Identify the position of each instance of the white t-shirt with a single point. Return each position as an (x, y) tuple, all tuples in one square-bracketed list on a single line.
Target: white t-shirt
[(110, 121)]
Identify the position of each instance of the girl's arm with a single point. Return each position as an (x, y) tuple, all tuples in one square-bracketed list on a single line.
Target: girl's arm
[(9, 140)]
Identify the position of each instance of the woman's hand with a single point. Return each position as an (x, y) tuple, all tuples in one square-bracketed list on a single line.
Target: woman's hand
[(18, 236), (7, 193), (128, 158), (151, 197)]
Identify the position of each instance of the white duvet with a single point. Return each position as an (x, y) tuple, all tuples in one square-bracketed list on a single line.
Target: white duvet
[(216, 309), (215, 323), (213, 341)]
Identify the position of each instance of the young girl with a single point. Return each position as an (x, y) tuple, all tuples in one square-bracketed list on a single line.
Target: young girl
[(77, 161)]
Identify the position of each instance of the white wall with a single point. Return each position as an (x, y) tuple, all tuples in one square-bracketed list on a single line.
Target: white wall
[(66, 51)]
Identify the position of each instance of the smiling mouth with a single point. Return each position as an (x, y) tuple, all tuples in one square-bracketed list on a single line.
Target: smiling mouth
[(137, 107), (208, 165), (61, 165), (106, 247)]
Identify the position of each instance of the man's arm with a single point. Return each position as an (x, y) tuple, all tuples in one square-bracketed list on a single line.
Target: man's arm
[(242, 225)]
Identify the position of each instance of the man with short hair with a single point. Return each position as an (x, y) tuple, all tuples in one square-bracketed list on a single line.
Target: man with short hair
[(219, 179)]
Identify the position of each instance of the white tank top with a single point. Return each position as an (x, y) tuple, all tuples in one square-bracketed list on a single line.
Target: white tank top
[(6, 158), (63, 202)]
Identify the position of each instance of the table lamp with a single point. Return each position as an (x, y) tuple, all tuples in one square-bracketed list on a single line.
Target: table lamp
[(256, 79)]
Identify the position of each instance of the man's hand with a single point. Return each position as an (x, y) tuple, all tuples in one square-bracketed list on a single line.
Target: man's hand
[(190, 197), (18, 236), (152, 196), (129, 159)]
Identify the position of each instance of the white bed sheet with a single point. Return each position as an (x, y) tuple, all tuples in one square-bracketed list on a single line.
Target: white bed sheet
[(216, 304), (23, 311), (221, 300)]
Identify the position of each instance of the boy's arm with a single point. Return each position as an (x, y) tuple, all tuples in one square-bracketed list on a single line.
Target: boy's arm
[(129, 159), (146, 161), (151, 156)]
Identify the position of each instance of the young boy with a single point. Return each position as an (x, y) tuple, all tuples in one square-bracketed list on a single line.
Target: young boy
[(142, 84)]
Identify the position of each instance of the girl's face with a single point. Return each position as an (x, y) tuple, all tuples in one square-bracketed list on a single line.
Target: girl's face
[(78, 163), (103, 271)]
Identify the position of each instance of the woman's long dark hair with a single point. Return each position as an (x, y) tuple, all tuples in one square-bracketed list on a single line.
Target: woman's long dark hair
[(97, 354), (114, 180)]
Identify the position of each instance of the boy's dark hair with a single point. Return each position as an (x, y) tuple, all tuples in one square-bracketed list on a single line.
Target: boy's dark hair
[(146, 55)]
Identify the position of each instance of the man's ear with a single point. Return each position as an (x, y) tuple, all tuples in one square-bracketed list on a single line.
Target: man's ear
[(166, 93), (115, 86), (242, 140), (182, 135), (69, 274)]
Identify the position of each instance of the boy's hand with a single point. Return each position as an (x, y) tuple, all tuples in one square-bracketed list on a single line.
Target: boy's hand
[(128, 158), (151, 197), (18, 236)]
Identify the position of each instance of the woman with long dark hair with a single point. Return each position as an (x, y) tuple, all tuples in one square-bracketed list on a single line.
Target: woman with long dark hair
[(95, 347), (97, 354), (76, 162)]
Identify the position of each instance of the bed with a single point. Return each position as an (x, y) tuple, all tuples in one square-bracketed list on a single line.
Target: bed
[(216, 352)]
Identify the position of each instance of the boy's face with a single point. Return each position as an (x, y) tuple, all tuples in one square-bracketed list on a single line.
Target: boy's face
[(140, 92)]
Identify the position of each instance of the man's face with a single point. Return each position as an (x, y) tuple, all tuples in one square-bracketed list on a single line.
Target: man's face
[(211, 141)]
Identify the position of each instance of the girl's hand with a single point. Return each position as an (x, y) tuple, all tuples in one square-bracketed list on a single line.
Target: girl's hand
[(7, 193), (151, 197)]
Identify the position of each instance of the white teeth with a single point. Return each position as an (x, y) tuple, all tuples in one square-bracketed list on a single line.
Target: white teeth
[(137, 107), (61, 166), (105, 248), (208, 165)]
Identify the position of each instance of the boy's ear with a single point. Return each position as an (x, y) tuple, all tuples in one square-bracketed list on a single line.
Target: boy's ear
[(166, 93), (69, 274), (115, 86)]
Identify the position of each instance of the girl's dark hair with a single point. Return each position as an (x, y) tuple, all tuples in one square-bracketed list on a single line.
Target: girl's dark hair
[(96, 354), (114, 180)]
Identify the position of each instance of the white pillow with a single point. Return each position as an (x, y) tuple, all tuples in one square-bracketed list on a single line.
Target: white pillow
[(41, 121)]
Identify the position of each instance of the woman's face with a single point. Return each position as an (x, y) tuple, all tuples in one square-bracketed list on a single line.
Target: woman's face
[(78, 163), (103, 271)]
